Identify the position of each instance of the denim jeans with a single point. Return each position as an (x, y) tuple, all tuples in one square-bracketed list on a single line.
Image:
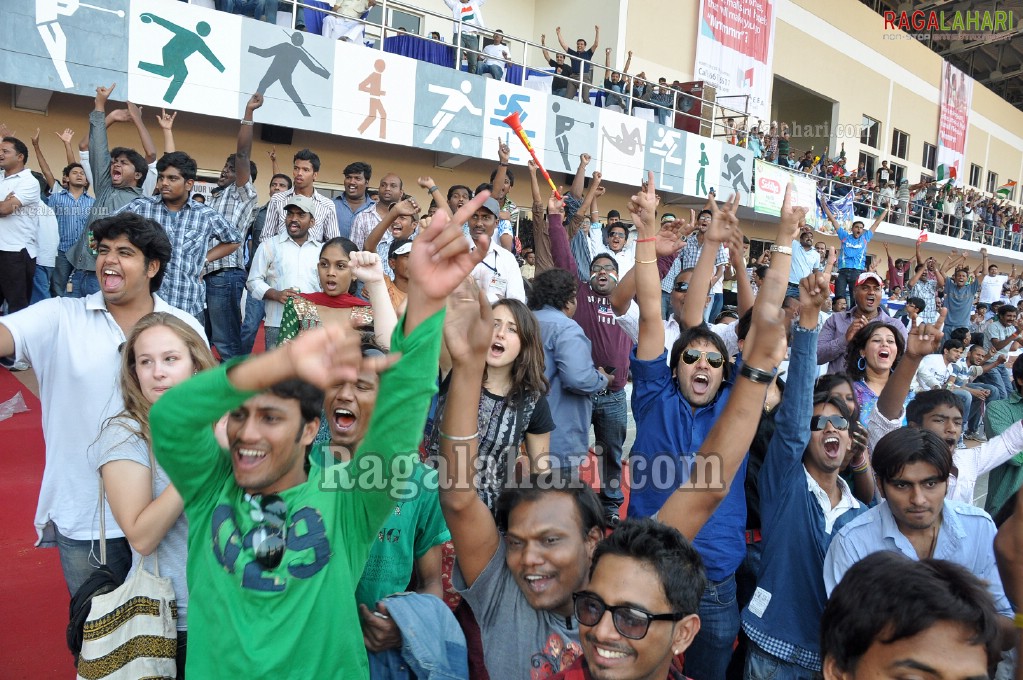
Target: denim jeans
[(995, 384), (492, 70), (41, 282), (61, 275), (845, 283), (746, 577), (762, 666), (78, 559), (967, 407), (224, 302), (252, 8), (471, 41), (610, 419), (83, 283), (254, 312), (711, 650)]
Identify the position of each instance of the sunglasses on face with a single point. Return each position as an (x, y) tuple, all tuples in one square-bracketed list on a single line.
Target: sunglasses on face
[(818, 423), (691, 356), (630, 622), (268, 539)]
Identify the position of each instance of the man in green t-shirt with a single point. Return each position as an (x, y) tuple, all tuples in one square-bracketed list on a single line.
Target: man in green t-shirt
[(274, 555)]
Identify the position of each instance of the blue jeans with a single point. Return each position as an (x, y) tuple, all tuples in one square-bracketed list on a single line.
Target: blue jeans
[(61, 275), (610, 419), (224, 304), (492, 70), (41, 282), (762, 666), (254, 312), (78, 559), (83, 283), (256, 9), (845, 283), (711, 650), (994, 383), (1004, 378)]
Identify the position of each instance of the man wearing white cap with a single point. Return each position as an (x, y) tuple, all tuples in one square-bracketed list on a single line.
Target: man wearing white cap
[(840, 327), (498, 274), (286, 264)]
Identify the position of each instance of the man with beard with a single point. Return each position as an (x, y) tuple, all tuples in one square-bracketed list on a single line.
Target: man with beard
[(611, 345), (498, 274), (234, 198), (354, 200), (805, 260), (839, 330), (688, 258), (913, 466), (389, 193)]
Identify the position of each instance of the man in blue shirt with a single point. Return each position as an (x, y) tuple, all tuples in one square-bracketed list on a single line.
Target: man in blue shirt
[(72, 205), (852, 259), (959, 295), (913, 466)]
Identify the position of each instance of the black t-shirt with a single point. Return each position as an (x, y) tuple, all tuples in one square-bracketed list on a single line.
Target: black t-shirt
[(585, 54), (560, 70)]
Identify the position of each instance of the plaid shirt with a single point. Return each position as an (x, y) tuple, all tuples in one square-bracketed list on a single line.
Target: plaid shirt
[(324, 217), (236, 205), (72, 214), (786, 651), (687, 260), (190, 230)]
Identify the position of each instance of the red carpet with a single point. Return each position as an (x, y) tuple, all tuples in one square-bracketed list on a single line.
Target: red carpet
[(33, 606)]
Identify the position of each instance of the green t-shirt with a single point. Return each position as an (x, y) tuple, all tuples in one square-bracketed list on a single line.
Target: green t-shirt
[(244, 620)]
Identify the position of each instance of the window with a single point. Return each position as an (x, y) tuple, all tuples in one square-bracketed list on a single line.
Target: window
[(870, 164), (899, 171), (900, 144), (758, 247), (992, 181), (926, 178), (975, 175), (396, 19), (929, 154), (868, 131)]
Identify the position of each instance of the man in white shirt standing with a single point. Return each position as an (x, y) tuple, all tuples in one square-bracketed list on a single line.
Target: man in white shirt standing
[(496, 56), (18, 225), (286, 265), (498, 274), (992, 285), (467, 13)]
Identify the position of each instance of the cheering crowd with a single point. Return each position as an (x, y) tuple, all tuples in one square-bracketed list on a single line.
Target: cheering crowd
[(426, 470)]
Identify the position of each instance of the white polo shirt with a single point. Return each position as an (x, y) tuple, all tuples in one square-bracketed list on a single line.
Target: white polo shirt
[(18, 230), (73, 346)]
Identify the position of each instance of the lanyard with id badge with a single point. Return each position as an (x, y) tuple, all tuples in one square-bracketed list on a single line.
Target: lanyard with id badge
[(498, 285)]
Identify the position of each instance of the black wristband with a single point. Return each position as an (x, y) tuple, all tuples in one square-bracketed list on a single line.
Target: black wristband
[(756, 375)]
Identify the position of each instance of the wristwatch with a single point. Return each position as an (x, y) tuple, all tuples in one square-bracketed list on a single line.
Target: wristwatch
[(784, 250)]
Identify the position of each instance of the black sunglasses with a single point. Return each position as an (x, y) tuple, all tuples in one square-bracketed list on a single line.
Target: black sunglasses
[(269, 537), (680, 287), (818, 423), (632, 623), (691, 356)]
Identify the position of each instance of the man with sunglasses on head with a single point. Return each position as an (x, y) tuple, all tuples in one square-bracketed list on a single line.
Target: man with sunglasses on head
[(611, 343), (639, 610), (274, 555)]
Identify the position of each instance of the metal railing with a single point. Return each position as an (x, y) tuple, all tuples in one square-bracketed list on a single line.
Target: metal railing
[(677, 110)]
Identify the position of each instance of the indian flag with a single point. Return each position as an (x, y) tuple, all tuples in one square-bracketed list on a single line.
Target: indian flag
[(946, 172), (1006, 189)]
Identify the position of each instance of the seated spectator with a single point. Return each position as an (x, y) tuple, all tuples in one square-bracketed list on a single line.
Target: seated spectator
[(1000, 417), (347, 25), (562, 69), (264, 10), (496, 56), (937, 372), (913, 466), (891, 613), (616, 85)]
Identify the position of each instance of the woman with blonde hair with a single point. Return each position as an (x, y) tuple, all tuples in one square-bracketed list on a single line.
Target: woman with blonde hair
[(161, 351)]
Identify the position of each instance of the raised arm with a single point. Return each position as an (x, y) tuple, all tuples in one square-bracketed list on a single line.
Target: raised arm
[(135, 114), (166, 122), (543, 47), (583, 212), (426, 182), (880, 219), (982, 272), (579, 181), (670, 239), (501, 174), (243, 153), (468, 333), (274, 168), (743, 288), (596, 38), (366, 267), (643, 208), (407, 207), (628, 62), (561, 40), (44, 167), (69, 151)]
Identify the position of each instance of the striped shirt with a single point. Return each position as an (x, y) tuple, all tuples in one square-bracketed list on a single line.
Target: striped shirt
[(324, 217), (72, 214), (236, 205), (687, 260)]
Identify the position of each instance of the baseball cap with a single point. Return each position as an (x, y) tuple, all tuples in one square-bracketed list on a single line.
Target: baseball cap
[(399, 246), (867, 276), (303, 203), (492, 206), (667, 217)]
